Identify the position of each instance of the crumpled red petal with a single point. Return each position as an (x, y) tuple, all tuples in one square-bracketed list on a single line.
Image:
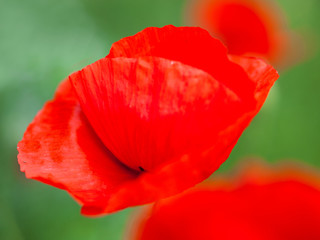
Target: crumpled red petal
[(61, 149), (260, 203), (189, 45), (187, 166), (196, 166), (168, 120), (150, 110)]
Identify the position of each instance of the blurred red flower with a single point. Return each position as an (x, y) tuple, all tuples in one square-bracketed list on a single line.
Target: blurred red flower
[(251, 27), (159, 114), (260, 203)]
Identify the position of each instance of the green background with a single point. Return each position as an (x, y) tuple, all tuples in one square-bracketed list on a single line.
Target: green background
[(42, 42)]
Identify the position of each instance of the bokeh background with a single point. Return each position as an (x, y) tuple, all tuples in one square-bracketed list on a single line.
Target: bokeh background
[(42, 42)]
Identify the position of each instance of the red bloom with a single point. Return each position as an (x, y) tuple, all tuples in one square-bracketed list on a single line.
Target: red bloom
[(252, 27), (159, 114), (275, 204)]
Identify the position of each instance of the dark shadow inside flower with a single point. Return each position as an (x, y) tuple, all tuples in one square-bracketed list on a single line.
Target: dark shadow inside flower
[(141, 169)]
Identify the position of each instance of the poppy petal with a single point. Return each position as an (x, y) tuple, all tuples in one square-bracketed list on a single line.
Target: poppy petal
[(61, 149), (150, 110), (167, 135), (259, 72), (251, 27), (189, 45), (129, 129), (281, 203)]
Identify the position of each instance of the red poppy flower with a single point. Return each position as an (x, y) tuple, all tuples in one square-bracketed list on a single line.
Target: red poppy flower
[(252, 27), (280, 203), (159, 114)]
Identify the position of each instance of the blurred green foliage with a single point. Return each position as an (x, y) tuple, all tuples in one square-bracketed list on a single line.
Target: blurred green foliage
[(42, 42)]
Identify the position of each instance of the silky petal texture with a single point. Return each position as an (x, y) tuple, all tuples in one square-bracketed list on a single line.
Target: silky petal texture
[(191, 46), (136, 128), (168, 108), (61, 149), (281, 203), (252, 27), (192, 166)]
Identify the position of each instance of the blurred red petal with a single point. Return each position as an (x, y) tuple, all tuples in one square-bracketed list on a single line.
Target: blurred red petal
[(282, 206), (252, 27)]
